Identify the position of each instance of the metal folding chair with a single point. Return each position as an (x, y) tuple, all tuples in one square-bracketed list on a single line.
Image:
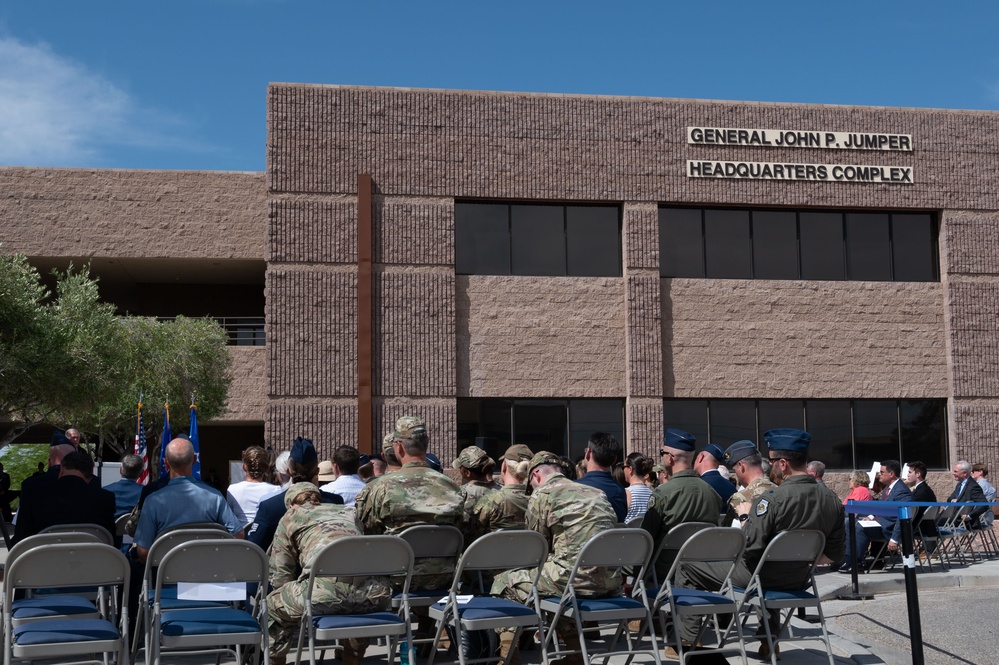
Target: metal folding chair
[(721, 546), (494, 552), (671, 544), (215, 629), (801, 547), (617, 549), (67, 565), (165, 542), (103, 534), (359, 556)]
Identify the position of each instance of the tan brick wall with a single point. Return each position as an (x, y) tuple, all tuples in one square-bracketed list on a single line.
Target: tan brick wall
[(540, 337), (133, 214), (791, 339), (248, 394)]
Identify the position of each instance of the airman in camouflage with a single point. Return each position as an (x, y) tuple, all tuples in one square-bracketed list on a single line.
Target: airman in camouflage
[(745, 460), (413, 495), (476, 469), (305, 529), (567, 514), (506, 507)]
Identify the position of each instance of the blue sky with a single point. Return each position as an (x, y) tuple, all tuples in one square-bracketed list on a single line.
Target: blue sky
[(151, 84)]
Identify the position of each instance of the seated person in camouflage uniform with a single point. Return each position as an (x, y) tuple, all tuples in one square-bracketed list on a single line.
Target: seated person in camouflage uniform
[(744, 458), (505, 508), (413, 495), (307, 527), (567, 514), (476, 469)]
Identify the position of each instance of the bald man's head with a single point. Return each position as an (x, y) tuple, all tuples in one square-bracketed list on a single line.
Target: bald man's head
[(56, 453), (180, 458)]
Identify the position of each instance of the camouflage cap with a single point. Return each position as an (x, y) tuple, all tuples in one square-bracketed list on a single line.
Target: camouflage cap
[(518, 452), (544, 457), (296, 490), (472, 457), (409, 426), (388, 440), (658, 468)]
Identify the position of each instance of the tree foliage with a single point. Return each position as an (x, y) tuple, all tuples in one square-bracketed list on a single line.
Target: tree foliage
[(68, 360)]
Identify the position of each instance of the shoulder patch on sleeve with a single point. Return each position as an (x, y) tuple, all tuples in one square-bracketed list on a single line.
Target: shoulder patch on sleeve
[(652, 501), (761, 507)]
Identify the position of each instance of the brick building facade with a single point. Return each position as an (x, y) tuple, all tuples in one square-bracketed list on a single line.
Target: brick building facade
[(442, 342)]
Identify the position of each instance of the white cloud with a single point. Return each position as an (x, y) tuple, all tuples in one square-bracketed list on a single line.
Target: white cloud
[(55, 112)]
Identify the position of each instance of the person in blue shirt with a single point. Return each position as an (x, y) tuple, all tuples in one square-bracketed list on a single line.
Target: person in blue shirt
[(602, 451), (127, 490)]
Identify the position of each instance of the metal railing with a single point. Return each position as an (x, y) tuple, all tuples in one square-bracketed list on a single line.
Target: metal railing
[(240, 330)]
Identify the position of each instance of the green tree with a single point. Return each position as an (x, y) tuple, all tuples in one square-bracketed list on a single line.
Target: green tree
[(68, 359)]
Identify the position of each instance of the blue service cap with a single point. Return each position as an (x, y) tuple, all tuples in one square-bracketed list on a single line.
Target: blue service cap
[(434, 462), (303, 452), (788, 438), (59, 439), (363, 459), (680, 440), (739, 451), (715, 451)]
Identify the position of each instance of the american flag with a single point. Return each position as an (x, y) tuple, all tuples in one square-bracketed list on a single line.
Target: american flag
[(140, 448)]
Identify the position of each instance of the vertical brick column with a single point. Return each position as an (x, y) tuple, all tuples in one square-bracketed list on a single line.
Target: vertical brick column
[(970, 272), (644, 343)]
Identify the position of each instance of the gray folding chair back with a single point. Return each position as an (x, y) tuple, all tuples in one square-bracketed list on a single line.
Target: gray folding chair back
[(801, 546), (103, 534), (716, 546), (672, 542), (494, 552), (119, 525), (431, 541), (359, 556), (616, 549), (216, 629), (83, 564), (165, 542)]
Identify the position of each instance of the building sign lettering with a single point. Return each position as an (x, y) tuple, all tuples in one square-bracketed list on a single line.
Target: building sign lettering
[(793, 138), (865, 173)]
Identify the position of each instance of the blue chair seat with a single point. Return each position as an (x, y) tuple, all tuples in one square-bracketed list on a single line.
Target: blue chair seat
[(776, 595), (51, 591), (336, 621), (219, 621), (608, 604), (684, 597), (51, 606), (64, 630), (486, 607)]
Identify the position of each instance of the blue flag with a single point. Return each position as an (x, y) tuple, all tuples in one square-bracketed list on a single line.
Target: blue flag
[(194, 441), (165, 439)]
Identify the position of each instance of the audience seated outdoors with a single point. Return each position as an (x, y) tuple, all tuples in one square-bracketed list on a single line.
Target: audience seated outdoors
[(244, 496)]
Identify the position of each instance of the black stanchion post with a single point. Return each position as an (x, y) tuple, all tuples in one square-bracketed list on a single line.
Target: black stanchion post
[(856, 595), (911, 591)]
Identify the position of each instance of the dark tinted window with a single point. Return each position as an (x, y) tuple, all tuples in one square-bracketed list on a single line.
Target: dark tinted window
[(731, 421), (774, 413), (822, 248), (538, 240), (913, 243), (541, 424), (481, 239), (830, 424), (868, 253), (593, 239), (875, 431), (727, 246), (775, 245), (924, 437), (587, 416), (681, 242), (689, 415)]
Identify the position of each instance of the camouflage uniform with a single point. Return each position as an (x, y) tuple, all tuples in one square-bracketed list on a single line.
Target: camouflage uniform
[(301, 534), (413, 495), (504, 508), (748, 495), (477, 490), (567, 514)]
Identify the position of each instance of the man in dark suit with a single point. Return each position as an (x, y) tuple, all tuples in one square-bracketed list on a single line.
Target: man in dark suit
[(888, 529), (71, 499), (706, 464), (922, 492), (967, 490)]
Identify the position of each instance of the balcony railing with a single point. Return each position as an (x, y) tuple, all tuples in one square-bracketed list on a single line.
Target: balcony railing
[(240, 330)]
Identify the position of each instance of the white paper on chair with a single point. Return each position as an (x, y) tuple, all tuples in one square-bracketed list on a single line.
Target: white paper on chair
[(868, 523), (461, 600), (227, 591)]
